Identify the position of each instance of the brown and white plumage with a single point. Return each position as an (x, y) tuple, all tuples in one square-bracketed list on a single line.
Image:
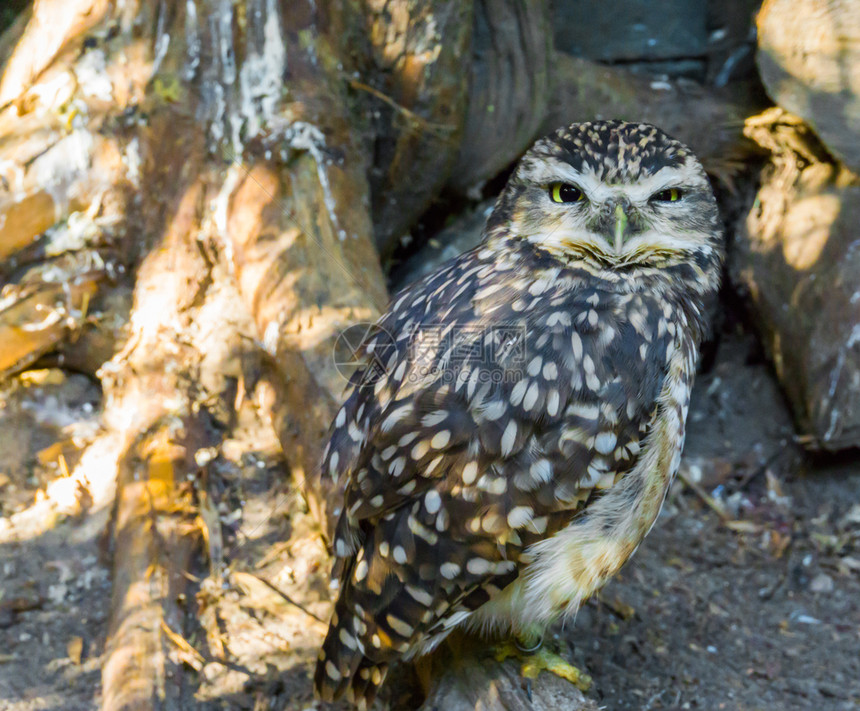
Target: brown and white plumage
[(515, 446)]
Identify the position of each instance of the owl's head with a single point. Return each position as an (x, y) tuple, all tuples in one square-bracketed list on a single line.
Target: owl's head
[(615, 195)]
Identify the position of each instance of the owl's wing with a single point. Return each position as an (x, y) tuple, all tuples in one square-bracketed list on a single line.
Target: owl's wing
[(555, 402), (451, 477)]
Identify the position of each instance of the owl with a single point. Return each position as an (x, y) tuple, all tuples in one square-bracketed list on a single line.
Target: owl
[(522, 412)]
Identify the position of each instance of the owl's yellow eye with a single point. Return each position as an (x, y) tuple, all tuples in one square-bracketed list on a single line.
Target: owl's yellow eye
[(564, 192), (668, 195)]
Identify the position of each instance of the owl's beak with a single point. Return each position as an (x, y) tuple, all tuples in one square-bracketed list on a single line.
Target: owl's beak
[(621, 220)]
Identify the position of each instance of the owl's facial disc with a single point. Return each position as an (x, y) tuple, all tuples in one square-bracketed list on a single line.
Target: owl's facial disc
[(575, 214), (615, 195)]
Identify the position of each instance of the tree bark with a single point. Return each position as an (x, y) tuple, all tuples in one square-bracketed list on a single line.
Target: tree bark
[(237, 213), (796, 258), (809, 59), (419, 93), (510, 87), (488, 685)]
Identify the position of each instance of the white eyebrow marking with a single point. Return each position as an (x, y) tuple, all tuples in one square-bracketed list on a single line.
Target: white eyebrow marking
[(652, 239), (551, 170)]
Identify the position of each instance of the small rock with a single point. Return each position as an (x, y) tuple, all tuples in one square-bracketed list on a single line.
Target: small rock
[(821, 583), (804, 619), (849, 564), (57, 593), (852, 517)]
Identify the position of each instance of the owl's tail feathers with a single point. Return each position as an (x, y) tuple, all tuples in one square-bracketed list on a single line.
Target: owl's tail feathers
[(342, 667), (366, 682)]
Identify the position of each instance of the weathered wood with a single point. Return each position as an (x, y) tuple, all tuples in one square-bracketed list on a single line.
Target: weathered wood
[(543, 90), (175, 378), (24, 220), (472, 679), (103, 332), (301, 241), (35, 317), (302, 287), (54, 24), (154, 540), (65, 183), (418, 88), (809, 59), (797, 257), (9, 38), (509, 90), (151, 405)]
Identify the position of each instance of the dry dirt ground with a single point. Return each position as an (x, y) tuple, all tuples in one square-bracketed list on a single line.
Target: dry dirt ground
[(745, 596)]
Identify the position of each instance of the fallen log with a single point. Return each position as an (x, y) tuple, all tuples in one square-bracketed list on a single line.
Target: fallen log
[(710, 121), (150, 394), (482, 683), (418, 97), (549, 89), (795, 257), (36, 315), (510, 87), (809, 60), (154, 538), (170, 394)]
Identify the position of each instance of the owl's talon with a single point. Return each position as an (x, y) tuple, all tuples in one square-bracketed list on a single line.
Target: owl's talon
[(544, 660), (541, 659)]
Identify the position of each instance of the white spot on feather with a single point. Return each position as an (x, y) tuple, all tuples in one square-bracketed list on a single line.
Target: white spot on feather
[(509, 438)]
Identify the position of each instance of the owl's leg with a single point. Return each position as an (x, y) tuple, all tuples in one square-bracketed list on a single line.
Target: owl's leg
[(535, 658)]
